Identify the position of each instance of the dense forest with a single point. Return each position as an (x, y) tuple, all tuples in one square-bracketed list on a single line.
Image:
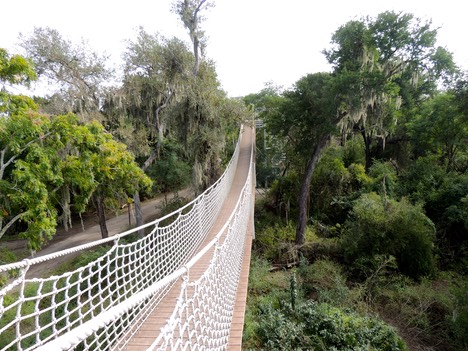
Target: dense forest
[(362, 231), (362, 218)]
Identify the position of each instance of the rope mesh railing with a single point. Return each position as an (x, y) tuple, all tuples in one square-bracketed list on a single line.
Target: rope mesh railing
[(202, 317), (35, 311)]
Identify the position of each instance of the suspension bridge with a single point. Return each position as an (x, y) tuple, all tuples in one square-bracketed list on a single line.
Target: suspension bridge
[(182, 286)]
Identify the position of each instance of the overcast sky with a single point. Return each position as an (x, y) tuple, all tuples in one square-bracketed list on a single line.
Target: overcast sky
[(251, 41)]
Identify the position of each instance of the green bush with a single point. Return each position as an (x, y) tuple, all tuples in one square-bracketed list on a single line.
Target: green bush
[(336, 182), (282, 196), (383, 177), (382, 226), (265, 289), (320, 326), (324, 280), (171, 172), (7, 256), (459, 320), (445, 200), (432, 312)]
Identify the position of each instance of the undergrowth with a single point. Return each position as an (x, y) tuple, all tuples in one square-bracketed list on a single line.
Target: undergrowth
[(365, 306)]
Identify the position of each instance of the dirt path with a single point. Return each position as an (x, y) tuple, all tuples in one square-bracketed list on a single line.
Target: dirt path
[(74, 237)]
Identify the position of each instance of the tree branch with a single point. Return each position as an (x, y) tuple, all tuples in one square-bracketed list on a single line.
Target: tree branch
[(10, 223), (3, 165)]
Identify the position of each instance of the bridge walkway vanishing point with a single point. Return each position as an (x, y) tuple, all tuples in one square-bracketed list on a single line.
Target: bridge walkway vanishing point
[(181, 287), (147, 333)]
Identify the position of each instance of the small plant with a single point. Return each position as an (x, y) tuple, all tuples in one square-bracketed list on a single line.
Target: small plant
[(293, 290)]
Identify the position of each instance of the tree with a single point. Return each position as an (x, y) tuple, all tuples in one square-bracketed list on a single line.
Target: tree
[(189, 12), (156, 70), (155, 76), (199, 120), (51, 165), (78, 72), (14, 69), (199, 125), (116, 175), (307, 120), (441, 129), (25, 172), (381, 63), (270, 160)]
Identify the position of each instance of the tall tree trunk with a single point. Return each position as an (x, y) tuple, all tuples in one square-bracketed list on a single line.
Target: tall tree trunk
[(305, 187), (136, 197), (138, 214), (99, 204), (196, 53), (367, 143)]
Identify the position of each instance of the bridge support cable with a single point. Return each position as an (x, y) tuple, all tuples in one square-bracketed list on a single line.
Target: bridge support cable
[(39, 311)]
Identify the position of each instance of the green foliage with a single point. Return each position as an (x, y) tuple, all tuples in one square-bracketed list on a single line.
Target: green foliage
[(52, 164), (383, 178), (441, 129), (307, 113), (198, 121), (265, 104), (282, 196), (383, 65), (459, 320), (412, 141), (7, 256), (171, 172), (274, 242), (76, 73), (444, 197), (353, 152), (324, 281), (382, 226), (320, 326), (15, 69), (435, 311), (337, 181)]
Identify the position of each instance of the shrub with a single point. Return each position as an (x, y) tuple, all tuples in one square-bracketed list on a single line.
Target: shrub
[(445, 202), (432, 312), (334, 184), (381, 226), (265, 289), (325, 281), (320, 326), (383, 178)]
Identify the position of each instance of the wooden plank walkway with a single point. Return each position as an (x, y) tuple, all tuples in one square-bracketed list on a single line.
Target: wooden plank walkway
[(149, 331)]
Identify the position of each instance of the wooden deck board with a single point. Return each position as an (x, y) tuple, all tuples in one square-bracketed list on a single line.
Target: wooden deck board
[(149, 331)]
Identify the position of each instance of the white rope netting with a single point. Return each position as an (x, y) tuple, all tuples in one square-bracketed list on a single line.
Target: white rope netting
[(203, 314), (102, 303)]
